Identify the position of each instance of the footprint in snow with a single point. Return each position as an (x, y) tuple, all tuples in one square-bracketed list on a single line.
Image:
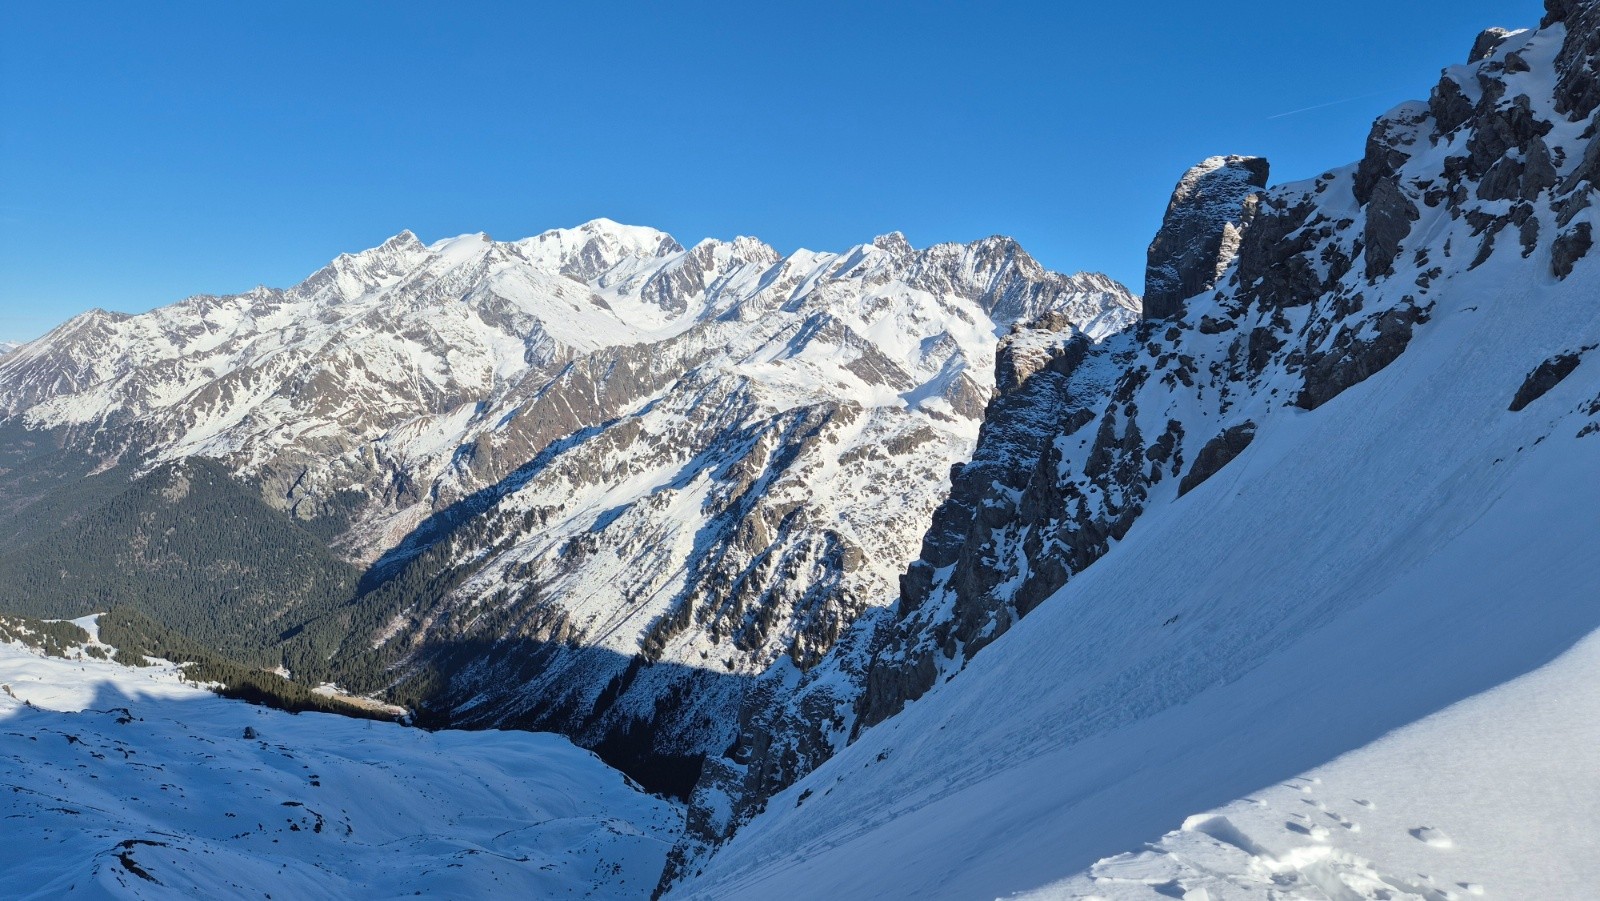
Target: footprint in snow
[(1432, 837), (1317, 832), (1367, 804)]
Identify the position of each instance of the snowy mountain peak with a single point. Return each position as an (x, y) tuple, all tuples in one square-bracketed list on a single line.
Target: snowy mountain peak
[(91, 320), (587, 251), (893, 242), (750, 248), (406, 239), (404, 245), (444, 245)]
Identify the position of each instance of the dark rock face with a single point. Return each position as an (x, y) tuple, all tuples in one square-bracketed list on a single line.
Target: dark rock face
[(1577, 89), (1275, 263), (1012, 478), (1217, 453), (1199, 234), (1487, 42), (1390, 145), (1545, 376), (1389, 217), (1570, 247), (1352, 360)]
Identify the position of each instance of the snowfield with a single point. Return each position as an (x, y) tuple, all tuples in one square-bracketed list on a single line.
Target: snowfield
[(1494, 796), (129, 783)]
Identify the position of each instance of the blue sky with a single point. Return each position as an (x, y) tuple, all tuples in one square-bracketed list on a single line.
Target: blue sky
[(152, 151)]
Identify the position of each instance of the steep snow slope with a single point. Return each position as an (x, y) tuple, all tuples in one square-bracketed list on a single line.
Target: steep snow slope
[(1479, 799), (1406, 546), (1387, 347), (125, 782)]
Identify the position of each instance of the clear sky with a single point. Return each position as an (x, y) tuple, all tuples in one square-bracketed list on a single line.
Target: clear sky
[(152, 151)]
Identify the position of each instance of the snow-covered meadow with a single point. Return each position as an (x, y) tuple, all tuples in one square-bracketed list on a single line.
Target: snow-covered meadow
[(128, 782)]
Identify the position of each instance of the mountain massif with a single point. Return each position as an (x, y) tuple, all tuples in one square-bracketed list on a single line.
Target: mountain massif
[(590, 481), (929, 572)]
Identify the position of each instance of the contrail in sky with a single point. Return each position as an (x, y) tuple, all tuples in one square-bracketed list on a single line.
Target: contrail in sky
[(1295, 112)]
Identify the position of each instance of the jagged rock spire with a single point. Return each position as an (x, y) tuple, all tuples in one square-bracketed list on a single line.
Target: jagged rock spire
[(1193, 246), (1487, 42)]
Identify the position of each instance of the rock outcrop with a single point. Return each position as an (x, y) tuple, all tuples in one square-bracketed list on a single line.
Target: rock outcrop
[(1544, 377), (1199, 235), (1486, 43)]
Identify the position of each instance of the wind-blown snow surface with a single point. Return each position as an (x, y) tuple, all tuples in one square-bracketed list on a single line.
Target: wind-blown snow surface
[(126, 782), (1407, 545)]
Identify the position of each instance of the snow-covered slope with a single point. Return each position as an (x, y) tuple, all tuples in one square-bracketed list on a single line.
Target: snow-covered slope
[(129, 783), (1478, 799), (1348, 488)]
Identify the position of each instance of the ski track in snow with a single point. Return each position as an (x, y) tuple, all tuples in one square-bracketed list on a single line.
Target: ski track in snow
[(126, 782)]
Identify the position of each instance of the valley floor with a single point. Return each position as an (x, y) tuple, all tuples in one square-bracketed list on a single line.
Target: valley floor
[(129, 783)]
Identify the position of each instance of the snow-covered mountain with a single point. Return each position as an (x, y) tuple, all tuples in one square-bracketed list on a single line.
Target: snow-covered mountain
[(601, 481), (8, 346), (1341, 478), (126, 782)]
